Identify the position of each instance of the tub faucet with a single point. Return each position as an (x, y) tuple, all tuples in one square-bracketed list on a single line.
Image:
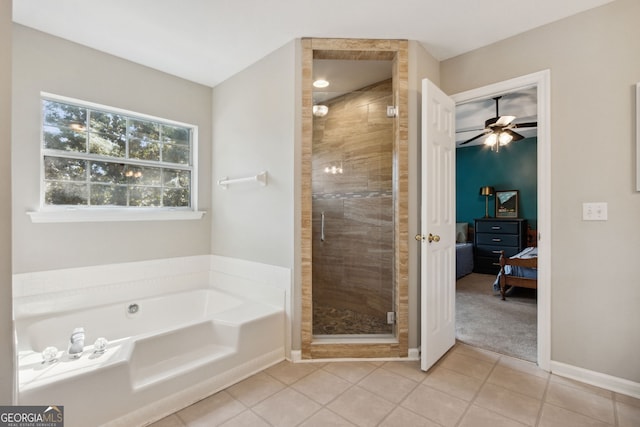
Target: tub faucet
[(77, 343)]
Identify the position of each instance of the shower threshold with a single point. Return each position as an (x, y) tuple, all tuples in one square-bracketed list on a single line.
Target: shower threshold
[(355, 339)]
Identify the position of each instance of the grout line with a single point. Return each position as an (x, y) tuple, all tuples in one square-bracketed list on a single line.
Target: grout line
[(260, 417), (543, 400), (182, 422), (398, 405), (477, 393)]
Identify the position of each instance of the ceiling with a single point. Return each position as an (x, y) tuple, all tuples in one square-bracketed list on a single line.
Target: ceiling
[(470, 116), (207, 41), (346, 76)]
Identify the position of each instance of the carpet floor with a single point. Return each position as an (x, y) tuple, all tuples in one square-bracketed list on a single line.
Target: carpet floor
[(484, 320)]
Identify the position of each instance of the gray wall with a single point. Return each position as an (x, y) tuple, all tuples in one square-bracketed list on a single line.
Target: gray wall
[(257, 125), (253, 130), (45, 63), (6, 323), (594, 63)]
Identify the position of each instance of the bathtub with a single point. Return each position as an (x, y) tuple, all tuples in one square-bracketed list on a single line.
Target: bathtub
[(164, 353)]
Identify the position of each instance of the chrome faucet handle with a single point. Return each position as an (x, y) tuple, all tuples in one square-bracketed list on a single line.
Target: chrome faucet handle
[(77, 343)]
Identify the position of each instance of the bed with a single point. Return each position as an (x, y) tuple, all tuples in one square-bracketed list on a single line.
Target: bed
[(520, 270), (464, 259)]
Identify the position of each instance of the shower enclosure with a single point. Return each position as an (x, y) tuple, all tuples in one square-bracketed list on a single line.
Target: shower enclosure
[(352, 206), (354, 199)]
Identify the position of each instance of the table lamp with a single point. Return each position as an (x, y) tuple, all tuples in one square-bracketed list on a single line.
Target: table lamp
[(486, 192)]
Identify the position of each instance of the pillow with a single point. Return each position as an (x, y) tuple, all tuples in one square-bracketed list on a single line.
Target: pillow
[(462, 229)]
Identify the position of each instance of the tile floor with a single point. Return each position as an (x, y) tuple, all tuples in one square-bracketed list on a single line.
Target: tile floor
[(469, 387)]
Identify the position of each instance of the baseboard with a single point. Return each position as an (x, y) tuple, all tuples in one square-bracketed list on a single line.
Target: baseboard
[(414, 354), (619, 385), (296, 356), (168, 405)]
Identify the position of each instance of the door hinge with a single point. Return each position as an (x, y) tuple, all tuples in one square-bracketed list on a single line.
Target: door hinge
[(392, 111)]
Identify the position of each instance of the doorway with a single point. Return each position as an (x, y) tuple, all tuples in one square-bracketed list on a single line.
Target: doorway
[(541, 81), (323, 291), (490, 169)]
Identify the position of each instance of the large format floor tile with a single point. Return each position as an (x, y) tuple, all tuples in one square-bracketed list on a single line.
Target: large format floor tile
[(469, 387)]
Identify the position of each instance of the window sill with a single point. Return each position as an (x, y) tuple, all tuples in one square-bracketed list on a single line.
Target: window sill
[(111, 215)]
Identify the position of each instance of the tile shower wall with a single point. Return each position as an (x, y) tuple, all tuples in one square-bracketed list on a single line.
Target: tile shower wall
[(353, 266)]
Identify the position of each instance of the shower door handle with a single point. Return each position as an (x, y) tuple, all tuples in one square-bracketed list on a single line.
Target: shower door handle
[(322, 227)]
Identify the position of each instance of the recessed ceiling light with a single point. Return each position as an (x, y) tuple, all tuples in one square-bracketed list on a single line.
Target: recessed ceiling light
[(320, 83)]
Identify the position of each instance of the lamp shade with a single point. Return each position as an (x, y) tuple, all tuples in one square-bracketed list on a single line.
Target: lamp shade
[(487, 191)]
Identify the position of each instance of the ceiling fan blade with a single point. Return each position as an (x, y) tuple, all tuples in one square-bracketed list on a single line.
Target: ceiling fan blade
[(526, 125), (515, 135), (473, 139), (505, 120), (469, 130), (489, 123)]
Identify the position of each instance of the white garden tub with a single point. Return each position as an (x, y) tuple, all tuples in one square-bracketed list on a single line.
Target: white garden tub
[(172, 351)]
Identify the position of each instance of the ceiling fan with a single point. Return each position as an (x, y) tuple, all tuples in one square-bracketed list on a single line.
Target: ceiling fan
[(499, 129)]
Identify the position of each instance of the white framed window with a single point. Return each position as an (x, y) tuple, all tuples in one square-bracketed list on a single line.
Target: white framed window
[(113, 162)]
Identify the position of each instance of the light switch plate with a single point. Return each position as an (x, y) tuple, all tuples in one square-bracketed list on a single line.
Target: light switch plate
[(594, 211)]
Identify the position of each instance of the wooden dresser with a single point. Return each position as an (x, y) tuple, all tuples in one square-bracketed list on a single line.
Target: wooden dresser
[(493, 235)]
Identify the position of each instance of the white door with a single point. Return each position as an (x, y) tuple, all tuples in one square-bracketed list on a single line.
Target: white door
[(438, 262)]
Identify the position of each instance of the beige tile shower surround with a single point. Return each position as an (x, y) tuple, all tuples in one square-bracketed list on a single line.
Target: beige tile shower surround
[(396, 51), (353, 265), (469, 387)]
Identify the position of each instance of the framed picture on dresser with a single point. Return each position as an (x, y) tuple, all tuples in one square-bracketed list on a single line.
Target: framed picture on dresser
[(507, 204)]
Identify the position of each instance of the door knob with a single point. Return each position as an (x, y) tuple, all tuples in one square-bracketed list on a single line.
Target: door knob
[(431, 238)]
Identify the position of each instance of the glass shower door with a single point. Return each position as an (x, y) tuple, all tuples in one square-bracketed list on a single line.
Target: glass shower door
[(352, 213)]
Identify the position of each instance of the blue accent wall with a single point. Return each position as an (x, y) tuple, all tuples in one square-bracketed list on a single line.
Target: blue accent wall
[(513, 168)]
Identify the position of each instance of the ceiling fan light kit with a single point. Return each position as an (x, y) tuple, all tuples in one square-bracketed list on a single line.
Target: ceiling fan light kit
[(498, 130)]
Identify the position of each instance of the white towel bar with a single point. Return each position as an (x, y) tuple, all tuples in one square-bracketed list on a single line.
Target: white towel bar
[(261, 178)]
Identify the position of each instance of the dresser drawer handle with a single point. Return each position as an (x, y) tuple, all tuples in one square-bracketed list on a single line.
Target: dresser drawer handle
[(496, 252), (496, 240), (495, 263), (496, 227)]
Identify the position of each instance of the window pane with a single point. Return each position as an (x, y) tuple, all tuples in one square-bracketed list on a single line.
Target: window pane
[(61, 169), (110, 144), (65, 115), (109, 124), (108, 134), (107, 172), (63, 193), (175, 135), (64, 138), (143, 176), (176, 197), (103, 195), (144, 150), (173, 153), (145, 196), (106, 145), (176, 178), (145, 130)]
